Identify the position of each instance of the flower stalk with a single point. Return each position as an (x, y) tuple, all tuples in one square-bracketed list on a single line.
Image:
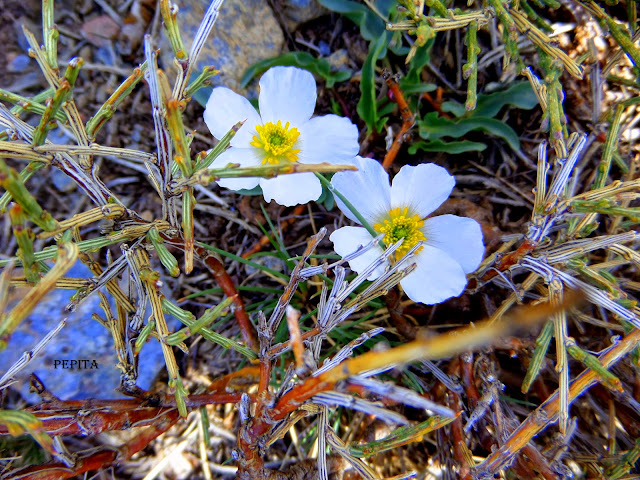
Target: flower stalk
[(470, 69), (15, 187)]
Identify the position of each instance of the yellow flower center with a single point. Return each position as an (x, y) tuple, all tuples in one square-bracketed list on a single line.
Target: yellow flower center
[(399, 225), (278, 142)]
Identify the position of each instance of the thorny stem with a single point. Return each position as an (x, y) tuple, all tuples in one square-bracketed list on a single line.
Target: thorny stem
[(621, 36), (441, 347), (602, 172), (544, 43), (547, 413), (29, 105)]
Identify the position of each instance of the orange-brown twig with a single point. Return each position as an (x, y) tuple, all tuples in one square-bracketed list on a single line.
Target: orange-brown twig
[(408, 119), (461, 452), (436, 103), (224, 281), (245, 376), (535, 461), (510, 259), (293, 316)]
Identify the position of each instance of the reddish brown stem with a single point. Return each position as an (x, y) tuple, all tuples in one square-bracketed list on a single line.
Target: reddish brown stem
[(93, 417), (278, 349), (534, 462), (102, 459), (226, 284), (408, 119), (510, 259), (469, 379), (460, 449), (436, 103), (245, 376), (547, 413), (265, 374), (537, 463), (402, 324)]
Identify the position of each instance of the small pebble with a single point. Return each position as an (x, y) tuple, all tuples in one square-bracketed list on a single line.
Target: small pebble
[(324, 48), (105, 55), (18, 64)]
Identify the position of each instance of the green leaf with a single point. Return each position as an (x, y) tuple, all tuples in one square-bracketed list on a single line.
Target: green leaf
[(257, 190), (519, 95), (433, 127), (447, 147), (202, 95), (317, 66), (326, 199), (371, 26), (451, 106), (411, 88), (367, 106), (420, 60)]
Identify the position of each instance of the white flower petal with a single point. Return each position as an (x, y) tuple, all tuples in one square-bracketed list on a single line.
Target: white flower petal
[(437, 277), (291, 189), (347, 240), (422, 188), (330, 138), (245, 157), (460, 237), (367, 189), (287, 94), (224, 109)]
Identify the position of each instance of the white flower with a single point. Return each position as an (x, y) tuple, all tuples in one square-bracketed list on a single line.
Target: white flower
[(453, 245), (283, 131)]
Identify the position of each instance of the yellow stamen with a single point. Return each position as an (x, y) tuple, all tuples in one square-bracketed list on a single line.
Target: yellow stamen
[(276, 142), (400, 224)]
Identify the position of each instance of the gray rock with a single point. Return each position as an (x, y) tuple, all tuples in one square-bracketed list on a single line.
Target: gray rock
[(245, 32), (81, 339), (297, 12)]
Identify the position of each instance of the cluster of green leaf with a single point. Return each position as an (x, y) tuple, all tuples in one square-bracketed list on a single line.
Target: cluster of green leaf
[(374, 109), (433, 127), (317, 66)]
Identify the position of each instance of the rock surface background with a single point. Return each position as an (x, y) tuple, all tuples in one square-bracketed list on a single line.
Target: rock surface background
[(245, 32)]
